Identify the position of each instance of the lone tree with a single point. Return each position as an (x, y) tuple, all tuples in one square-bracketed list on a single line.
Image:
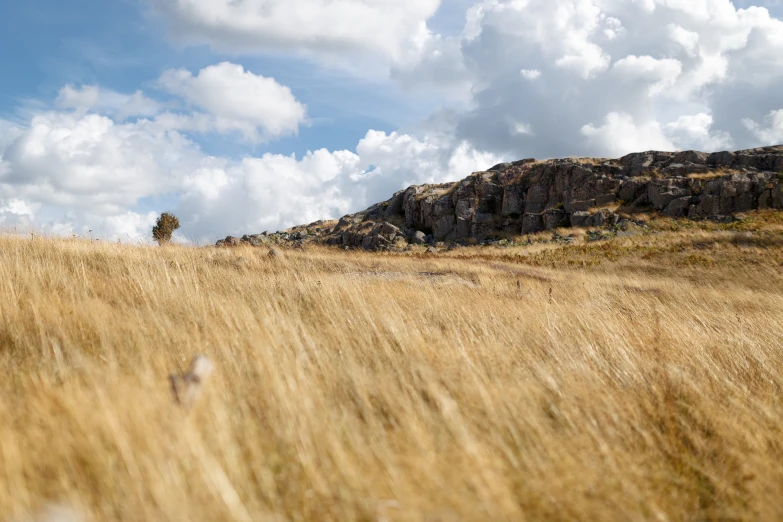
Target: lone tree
[(166, 225)]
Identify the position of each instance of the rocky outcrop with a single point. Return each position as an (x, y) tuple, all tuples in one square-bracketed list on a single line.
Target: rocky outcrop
[(530, 196), (296, 236), (370, 236)]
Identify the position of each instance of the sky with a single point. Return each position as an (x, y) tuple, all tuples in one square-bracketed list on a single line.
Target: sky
[(248, 115)]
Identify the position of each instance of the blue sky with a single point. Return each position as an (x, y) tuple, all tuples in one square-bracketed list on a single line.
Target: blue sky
[(244, 116), (120, 45)]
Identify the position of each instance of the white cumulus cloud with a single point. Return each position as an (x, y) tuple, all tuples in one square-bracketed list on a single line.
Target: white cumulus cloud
[(119, 105), (670, 73), (235, 100), (770, 132), (69, 173), (656, 74), (694, 131), (388, 27), (620, 134), (530, 74)]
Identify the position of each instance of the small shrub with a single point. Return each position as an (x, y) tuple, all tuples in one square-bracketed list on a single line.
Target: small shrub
[(164, 228)]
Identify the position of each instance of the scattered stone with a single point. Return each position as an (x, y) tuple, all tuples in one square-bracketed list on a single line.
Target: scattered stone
[(501, 167), (597, 235), (273, 253), (418, 238), (580, 219), (256, 240), (230, 241), (557, 238), (187, 388)]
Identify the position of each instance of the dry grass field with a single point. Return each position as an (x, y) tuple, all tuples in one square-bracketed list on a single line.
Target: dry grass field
[(635, 379)]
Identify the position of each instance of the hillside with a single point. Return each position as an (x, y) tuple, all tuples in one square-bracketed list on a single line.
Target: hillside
[(528, 196), (636, 378)]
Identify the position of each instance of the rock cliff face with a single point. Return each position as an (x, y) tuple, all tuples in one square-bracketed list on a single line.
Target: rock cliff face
[(529, 196)]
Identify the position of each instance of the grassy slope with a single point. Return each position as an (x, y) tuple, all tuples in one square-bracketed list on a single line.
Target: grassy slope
[(636, 379)]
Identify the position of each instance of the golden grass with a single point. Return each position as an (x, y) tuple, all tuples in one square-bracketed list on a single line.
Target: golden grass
[(714, 174), (612, 381), (615, 206), (590, 161)]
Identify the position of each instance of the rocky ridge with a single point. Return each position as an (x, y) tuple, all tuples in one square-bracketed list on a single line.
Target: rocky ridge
[(530, 196)]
